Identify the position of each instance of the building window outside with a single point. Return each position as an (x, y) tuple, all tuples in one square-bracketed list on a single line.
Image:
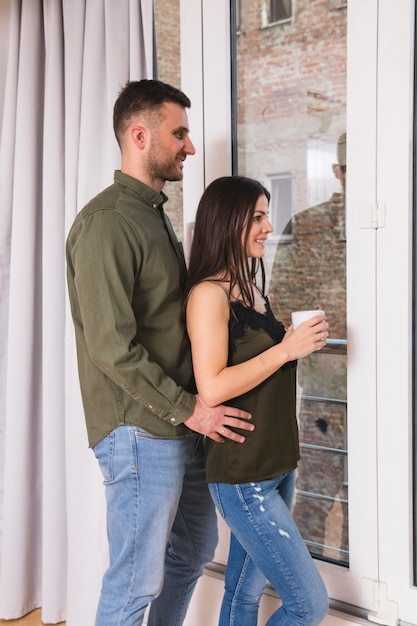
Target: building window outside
[(280, 186), (280, 10)]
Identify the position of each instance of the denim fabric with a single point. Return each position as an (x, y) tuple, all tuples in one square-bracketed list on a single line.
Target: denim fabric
[(161, 526), (266, 545)]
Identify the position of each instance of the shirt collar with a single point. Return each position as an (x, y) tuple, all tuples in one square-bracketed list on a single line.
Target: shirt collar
[(150, 196)]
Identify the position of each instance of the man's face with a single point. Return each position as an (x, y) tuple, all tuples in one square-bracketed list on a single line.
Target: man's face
[(169, 145)]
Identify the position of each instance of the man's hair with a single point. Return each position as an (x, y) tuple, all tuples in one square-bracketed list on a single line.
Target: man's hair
[(143, 96)]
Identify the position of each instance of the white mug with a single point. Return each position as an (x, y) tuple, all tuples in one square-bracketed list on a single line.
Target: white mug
[(298, 317)]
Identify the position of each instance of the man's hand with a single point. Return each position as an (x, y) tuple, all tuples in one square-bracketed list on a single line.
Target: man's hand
[(215, 422)]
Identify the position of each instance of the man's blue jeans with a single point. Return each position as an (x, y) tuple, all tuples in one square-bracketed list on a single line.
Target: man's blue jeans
[(266, 545), (161, 526)]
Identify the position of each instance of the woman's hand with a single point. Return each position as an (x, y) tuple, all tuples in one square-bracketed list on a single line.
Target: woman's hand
[(308, 337)]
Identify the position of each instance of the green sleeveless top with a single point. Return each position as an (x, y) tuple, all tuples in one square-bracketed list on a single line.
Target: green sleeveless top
[(272, 448)]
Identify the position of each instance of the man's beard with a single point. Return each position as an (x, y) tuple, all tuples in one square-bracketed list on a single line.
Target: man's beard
[(163, 166)]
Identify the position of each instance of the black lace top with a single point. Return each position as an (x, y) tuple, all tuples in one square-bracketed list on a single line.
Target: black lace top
[(242, 316), (272, 448)]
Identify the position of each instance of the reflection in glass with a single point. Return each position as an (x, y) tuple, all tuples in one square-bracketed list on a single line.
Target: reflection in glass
[(291, 122), (167, 67), (280, 10)]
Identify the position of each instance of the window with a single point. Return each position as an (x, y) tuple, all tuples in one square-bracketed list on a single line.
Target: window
[(280, 10), (280, 186), (282, 124), (290, 121), (167, 68)]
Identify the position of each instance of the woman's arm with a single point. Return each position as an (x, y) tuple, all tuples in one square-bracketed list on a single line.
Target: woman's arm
[(208, 312)]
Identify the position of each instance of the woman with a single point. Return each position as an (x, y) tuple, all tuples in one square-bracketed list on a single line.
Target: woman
[(243, 356)]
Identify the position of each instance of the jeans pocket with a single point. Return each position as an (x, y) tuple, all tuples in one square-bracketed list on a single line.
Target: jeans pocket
[(103, 452)]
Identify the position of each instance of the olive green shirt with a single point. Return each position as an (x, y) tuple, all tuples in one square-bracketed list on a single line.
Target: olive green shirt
[(125, 271)]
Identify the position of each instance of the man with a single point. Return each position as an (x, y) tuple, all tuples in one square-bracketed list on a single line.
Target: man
[(310, 270), (125, 279)]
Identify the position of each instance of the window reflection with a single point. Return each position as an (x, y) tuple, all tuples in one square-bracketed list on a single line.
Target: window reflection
[(167, 61), (280, 10), (291, 107)]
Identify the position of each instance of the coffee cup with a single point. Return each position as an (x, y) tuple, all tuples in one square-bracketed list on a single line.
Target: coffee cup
[(298, 317)]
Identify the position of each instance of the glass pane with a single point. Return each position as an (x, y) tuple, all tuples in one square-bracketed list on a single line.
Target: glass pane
[(168, 69), (291, 122), (280, 10)]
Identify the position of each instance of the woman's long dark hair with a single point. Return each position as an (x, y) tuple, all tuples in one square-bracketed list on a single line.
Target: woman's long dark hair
[(225, 212)]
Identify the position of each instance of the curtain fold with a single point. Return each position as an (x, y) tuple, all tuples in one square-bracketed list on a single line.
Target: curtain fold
[(53, 581), (66, 62), (22, 500)]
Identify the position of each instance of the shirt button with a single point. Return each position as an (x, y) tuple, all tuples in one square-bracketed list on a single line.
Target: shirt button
[(172, 419)]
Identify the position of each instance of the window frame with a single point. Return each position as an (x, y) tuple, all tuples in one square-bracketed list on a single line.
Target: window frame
[(379, 581)]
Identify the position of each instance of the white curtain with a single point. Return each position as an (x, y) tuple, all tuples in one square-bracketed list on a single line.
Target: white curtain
[(62, 63)]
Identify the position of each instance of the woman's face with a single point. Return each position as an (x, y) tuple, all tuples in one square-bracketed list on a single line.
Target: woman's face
[(258, 230)]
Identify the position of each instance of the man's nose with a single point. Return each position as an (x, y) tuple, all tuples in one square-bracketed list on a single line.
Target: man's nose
[(189, 146)]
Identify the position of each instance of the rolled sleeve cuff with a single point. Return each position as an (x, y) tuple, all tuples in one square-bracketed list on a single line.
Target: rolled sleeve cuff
[(183, 410)]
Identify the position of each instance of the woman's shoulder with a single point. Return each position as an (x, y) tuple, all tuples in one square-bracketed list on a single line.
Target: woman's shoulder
[(208, 300), (208, 303), (211, 288)]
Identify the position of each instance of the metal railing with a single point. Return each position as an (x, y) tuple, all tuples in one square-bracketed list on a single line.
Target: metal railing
[(334, 347)]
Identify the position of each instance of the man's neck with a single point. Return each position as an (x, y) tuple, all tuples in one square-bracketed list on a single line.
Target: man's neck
[(138, 173)]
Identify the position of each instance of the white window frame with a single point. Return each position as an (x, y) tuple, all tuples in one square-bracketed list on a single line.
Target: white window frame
[(379, 165)]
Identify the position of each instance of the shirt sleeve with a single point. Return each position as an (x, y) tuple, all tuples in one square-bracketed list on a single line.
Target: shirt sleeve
[(105, 254)]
